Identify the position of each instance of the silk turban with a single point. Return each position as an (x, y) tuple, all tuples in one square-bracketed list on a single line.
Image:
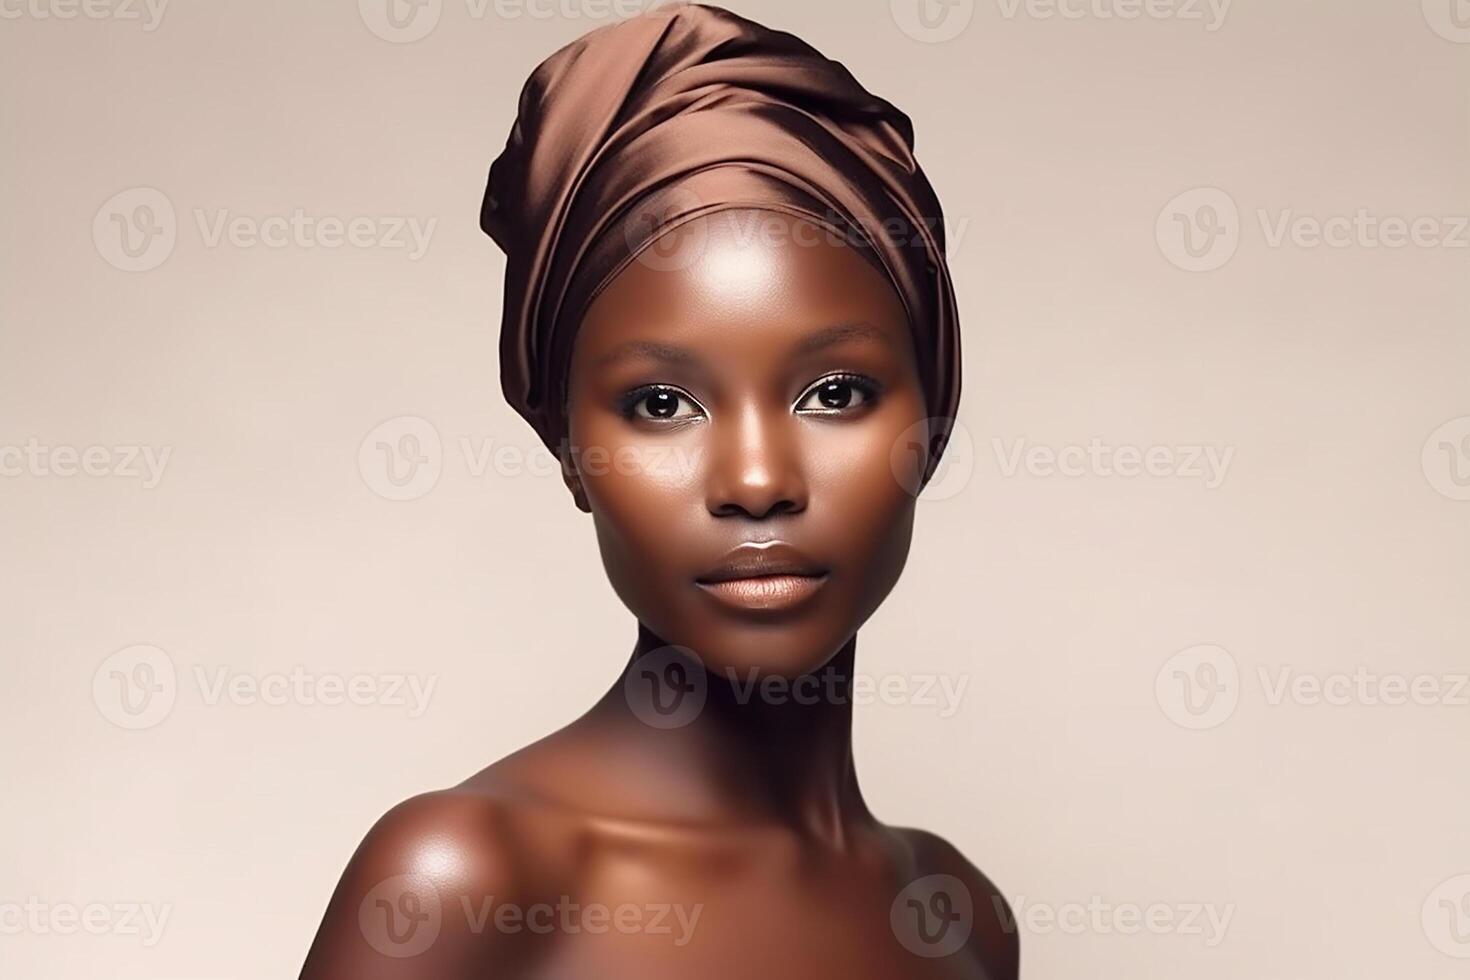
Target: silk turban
[(641, 126)]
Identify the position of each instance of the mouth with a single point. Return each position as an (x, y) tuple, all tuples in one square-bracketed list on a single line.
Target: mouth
[(766, 577)]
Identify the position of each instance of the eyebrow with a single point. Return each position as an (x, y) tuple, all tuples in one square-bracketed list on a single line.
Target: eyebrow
[(667, 353), (838, 333), (670, 354)]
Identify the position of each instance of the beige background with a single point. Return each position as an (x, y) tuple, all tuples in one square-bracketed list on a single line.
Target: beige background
[(1335, 541)]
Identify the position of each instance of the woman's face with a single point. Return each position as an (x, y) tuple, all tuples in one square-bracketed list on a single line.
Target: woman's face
[(743, 403)]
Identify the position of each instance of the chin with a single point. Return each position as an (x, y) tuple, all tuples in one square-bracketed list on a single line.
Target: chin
[(734, 647), (737, 656)]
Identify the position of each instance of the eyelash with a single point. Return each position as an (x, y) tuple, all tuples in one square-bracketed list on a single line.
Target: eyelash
[(866, 386)]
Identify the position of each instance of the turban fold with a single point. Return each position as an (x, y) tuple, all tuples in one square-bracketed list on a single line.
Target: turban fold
[(643, 125)]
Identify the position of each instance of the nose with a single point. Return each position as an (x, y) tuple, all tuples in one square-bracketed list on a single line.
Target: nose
[(756, 468)]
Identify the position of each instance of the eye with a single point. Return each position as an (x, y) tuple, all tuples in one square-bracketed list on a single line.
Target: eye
[(837, 394), (660, 403)]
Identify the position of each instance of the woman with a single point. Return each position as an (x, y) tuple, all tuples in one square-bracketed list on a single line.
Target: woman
[(727, 310)]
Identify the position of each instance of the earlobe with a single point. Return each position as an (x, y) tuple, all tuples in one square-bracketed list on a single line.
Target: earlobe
[(579, 497), (573, 480)]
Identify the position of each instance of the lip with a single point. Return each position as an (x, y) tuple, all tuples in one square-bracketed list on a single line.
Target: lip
[(765, 576)]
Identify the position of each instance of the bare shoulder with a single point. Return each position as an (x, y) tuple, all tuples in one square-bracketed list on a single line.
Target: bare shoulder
[(994, 938), (410, 904)]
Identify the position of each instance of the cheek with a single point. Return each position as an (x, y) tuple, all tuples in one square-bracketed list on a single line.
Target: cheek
[(860, 504), (646, 502)]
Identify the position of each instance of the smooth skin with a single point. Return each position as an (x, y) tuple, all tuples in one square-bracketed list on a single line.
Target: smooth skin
[(747, 379)]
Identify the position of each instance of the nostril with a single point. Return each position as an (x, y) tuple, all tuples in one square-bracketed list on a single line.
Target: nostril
[(759, 511)]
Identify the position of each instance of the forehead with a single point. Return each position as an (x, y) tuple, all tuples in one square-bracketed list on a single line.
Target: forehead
[(743, 282)]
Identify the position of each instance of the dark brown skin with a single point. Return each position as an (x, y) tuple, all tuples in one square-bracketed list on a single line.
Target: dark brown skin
[(743, 822)]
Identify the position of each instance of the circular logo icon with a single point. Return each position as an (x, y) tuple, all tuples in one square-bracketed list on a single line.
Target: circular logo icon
[(402, 458), (658, 227), (400, 21), (1450, 19), (932, 21), (401, 917), (136, 687), (1446, 458), (1198, 687), (1446, 917), (1199, 230), (911, 451), (135, 230), (933, 916), (667, 687)]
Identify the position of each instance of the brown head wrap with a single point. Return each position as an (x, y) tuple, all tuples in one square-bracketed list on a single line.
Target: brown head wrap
[(643, 125)]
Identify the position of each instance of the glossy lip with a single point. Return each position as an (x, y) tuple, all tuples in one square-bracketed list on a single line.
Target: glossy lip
[(766, 576)]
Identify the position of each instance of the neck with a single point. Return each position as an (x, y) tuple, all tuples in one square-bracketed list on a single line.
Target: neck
[(760, 749)]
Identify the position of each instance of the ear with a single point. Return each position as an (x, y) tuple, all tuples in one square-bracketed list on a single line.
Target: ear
[(572, 478)]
